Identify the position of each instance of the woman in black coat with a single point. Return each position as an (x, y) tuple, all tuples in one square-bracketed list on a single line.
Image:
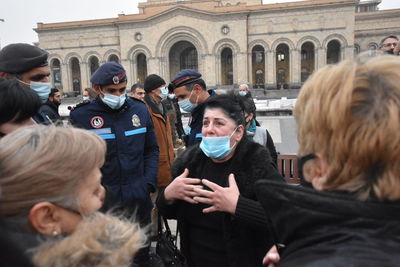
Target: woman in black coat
[(220, 220)]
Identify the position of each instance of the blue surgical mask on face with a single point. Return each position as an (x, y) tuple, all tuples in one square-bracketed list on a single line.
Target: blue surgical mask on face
[(242, 93), (186, 105), (164, 93), (217, 147), (113, 101), (85, 98), (171, 96), (41, 88)]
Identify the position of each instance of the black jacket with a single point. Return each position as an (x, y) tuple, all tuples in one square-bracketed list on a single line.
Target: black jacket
[(50, 111), (331, 228), (246, 233)]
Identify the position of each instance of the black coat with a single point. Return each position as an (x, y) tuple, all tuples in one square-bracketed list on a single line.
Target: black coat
[(50, 111), (245, 234), (331, 228)]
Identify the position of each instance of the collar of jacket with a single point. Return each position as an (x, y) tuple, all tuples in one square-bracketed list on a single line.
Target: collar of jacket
[(51, 105), (299, 212), (151, 103)]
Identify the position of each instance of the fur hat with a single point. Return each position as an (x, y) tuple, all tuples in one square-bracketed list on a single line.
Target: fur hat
[(99, 240)]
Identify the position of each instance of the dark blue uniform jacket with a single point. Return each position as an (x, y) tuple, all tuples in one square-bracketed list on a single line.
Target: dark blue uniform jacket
[(131, 165), (196, 123)]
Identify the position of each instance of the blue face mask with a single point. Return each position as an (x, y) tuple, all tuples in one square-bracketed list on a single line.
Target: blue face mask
[(171, 96), (186, 105), (217, 147), (85, 98), (242, 93), (164, 93), (41, 88), (113, 101)]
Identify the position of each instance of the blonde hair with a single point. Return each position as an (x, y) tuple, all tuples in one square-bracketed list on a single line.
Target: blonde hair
[(45, 163), (99, 240), (350, 114)]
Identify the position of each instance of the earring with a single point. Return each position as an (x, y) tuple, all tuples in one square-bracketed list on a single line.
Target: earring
[(54, 233)]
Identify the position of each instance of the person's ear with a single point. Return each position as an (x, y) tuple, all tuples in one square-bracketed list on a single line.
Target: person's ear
[(97, 88), (316, 172), (239, 133), (45, 219), (198, 89)]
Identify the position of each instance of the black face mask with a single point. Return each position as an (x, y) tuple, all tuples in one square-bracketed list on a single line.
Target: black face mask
[(389, 52)]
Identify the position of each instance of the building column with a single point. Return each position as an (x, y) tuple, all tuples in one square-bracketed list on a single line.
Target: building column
[(270, 65), (84, 75), (65, 78), (321, 57), (240, 73), (295, 67)]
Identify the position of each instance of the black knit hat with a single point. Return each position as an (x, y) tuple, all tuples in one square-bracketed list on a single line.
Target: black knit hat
[(152, 82), (20, 58)]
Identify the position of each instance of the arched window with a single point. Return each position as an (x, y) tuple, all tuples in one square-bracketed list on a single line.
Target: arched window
[(282, 66), (93, 64), (307, 60), (258, 66), (76, 75), (333, 53), (226, 66), (356, 49), (182, 55), (141, 68), (113, 58), (56, 74)]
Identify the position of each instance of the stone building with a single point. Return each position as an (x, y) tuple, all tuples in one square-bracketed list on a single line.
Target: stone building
[(273, 48)]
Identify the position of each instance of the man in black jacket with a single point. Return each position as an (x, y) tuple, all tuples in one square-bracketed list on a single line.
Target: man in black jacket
[(50, 108)]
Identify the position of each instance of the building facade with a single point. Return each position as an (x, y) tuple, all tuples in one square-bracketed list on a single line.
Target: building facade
[(272, 47)]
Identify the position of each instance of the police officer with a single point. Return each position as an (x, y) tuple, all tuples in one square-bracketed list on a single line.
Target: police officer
[(27, 63), (130, 170), (191, 93)]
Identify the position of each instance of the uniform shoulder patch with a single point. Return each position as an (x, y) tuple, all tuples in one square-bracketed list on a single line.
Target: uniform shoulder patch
[(96, 122)]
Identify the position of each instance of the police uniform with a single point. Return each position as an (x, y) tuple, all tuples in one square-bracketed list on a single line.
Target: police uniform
[(193, 131), (130, 169)]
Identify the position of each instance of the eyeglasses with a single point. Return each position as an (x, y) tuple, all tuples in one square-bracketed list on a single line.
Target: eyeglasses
[(302, 162), (389, 44)]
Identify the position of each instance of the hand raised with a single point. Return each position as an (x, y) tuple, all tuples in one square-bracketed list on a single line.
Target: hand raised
[(220, 198), (182, 188)]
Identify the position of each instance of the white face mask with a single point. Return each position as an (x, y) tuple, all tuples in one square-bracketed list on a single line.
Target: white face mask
[(164, 93), (113, 101)]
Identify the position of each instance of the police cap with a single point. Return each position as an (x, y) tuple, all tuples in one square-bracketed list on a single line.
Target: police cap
[(20, 58), (184, 77), (109, 73)]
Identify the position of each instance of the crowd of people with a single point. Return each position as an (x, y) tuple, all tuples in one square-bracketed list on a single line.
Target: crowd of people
[(90, 193)]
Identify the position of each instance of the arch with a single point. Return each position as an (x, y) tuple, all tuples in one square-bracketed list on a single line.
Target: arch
[(109, 53), (279, 41), (342, 40), (55, 56), (89, 54), (136, 50), (258, 66), (226, 42), (357, 49), (312, 39), (252, 44), (182, 55), (181, 33), (71, 55), (372, 46)]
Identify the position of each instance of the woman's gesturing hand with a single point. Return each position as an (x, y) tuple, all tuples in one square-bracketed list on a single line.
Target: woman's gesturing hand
[(183, 188), (220, 198), (272, 257)]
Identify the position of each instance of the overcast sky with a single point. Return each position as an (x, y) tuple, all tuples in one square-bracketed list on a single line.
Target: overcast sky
[(21, 16)]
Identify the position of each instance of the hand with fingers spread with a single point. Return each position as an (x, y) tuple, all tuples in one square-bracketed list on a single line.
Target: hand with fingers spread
[(220, 198), (272, 257), (183, 188)]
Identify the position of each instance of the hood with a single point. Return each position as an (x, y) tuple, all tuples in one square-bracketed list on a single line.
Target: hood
[(99, 240)]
